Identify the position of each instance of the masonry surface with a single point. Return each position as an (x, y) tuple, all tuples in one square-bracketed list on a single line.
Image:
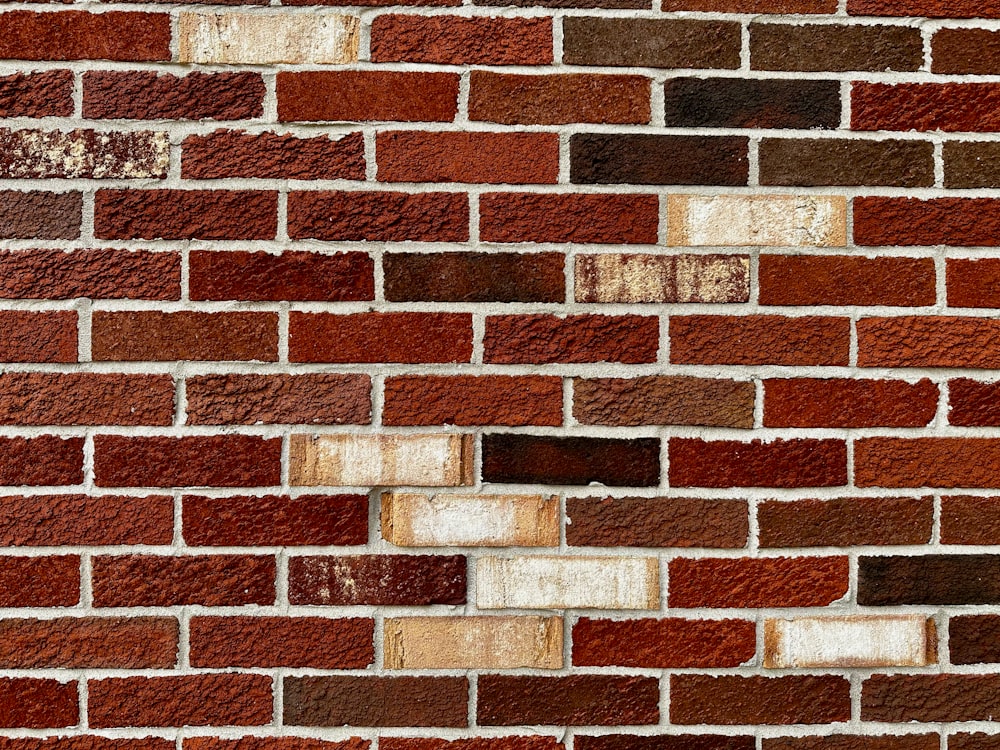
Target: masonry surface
[(500, 375)]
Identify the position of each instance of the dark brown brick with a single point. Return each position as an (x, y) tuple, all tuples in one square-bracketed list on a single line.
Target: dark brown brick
[(377, 579), (798, 699), (663, 400), (965, 51), (38, 215), (658, 159), (42, 460), (663, 644), (568, 701), (743, 103), (656, 522), (376, 701), (972, 741), (970, 520), (855, 742), (161, 581), (845, 522), (148, 95), (539, 339), (533, 459), (930, 697), (472, 400), (780, 463), (27, 336), (929, 579), (974, 639), (829, 47), (641, 42), (250, 521), (89, 643), (39, 581), (474, 277), (236, 153), (835, 161), (845, 402), (44, 93), (98, 274), (971, 164), (86, 520)]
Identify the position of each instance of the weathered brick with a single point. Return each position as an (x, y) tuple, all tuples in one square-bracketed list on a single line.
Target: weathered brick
[(567, 701), (43, 93), (313, 520), (796, 699), (663, 644), (89, 643), (757, 582), (633, 277), (77, 35), (365, 95), (42, 460), (850, 641), (148, 95), (845, 522), (457, 40), (413, 520), (751, 103), (662, 400), (949, 107), (843, 402), (846, 280), (834, 47), (98, 274), (969, 520), (90, 154), (407, 580), (655, 522), (972, 639), (641, 42), (470, 400), (429, 460), (928, 579), (540, 339), (236, 153), (38, 215), (927, 697), (759, 340), (473, 642), (36, 703), (27, 336), (39, 582), (86, 520), (938, 221), (162, 581), (550, 582)]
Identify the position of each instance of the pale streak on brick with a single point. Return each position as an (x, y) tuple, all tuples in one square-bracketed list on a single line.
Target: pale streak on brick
[(87, 154), (381, 460), (632, 277), (415, 520), (473, 642), (567, 583), (757, 220), (851, 641), (229, 38)]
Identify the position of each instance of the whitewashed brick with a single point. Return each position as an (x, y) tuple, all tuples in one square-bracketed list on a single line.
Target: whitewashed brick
[(851, 641)]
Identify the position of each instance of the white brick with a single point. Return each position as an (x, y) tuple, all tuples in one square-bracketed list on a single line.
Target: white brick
[(567, 583), (415, 520), (852, 641), (244, 38)]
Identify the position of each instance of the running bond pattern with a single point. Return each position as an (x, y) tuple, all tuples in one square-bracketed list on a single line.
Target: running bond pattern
[(500, 375)]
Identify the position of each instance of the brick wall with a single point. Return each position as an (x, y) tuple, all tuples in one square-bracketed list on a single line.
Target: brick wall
[(500, 375)]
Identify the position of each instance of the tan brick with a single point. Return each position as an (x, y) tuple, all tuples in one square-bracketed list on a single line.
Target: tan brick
[(473, 642), (260, 39), (636, 277), (381, 460), (416, 520), (757, 220), (852, 641), (568, 583)]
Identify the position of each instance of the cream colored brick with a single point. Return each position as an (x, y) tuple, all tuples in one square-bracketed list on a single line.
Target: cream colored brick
[(568, 583), (381, 460), (473, 642), (415, 520), (758, 220), (851, 641), (243, 38), (636, 277)]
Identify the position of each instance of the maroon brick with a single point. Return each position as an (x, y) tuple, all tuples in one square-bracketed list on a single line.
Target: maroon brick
[(377, 579), (85, 520), (972, 741), (846, 280), (796, 699), (927, 462), (35, 703), (39, 581), (472, 400), (568, 701), (249, 742), (665, 742), (973, 283), (148, 95), (927, 697), (371, 216), (965, 51), (457, 40), (654, 43), (38, 336), (663, 644), (365, 95), (759, 340), (843, 402), (855, 742), (236, 153), (950, 107), (84, 742), (98, 274), (938, 221), (44, 93), (42, 460), (929, 8), (845, 522), (969, 520), (510, 742), (973, 403), (89, 643), (928, 579), (42, 398), (538, 339), (76, 35), (38, 215), (781, 463), (973, 639)]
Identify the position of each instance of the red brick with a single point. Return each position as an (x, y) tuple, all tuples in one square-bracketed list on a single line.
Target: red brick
[(36, 703), (758, 582), (752, 6), (37, 336), (43, 398), (89, 643), (846, 280), (949, 107), (43, 460), (929, 8), (855, 742), (472, 400), (844, 402), (186, 214), (796, 699), (531, 217), (98, 274), (557, 99), (567, 701), (149, 336), (930, 697), (669, 643), (316, 642), (380, 337), (845, 522), (970, 520), (279, 399), (39, 581), (938, 221), (236, 153), (178, 701), (537, 339), (291, 275), (973, 283), (249, 742), (44, 93), (364, 95), (759, 340), (193, 461), (377, 579), (84, 742), (54, 520), (531, 742), (160, 581), (927, 341), (38, 215), (664, 742), (76, 35), (370, 216), (495, 158), (927, 462), (780, 463), (148, 95), (456, 40), (973, 403), (275, 520)]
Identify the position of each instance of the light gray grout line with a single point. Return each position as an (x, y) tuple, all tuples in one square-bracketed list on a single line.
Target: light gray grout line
[(283, 323), (557, 39), (939, 165)]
